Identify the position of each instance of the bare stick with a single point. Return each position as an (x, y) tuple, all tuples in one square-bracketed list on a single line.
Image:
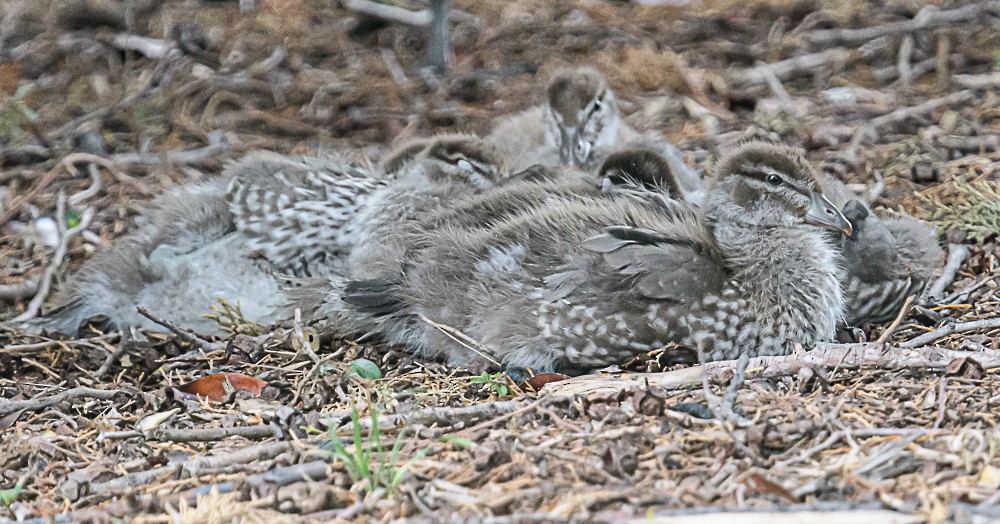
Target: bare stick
[(299, 333), (957, 253), (826, 356), (439, 53), (465, 340), (26, 349), (786, 68), (191, 156), (491, 422), (398, 75), (11, 406), (925, 19), (420, 18), (942, 396), (442, 416), (723, 409), (942, 57), (258, 432), (151, 47), (186, 336), (93, 190), (43, 181), (977, 81), (969, 144), (903, 63), (951, 329), (112, 357), (775, 85), (57, 258), (887, 334), (958, 97)]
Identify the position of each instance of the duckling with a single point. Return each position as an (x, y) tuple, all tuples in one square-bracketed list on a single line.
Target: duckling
[(580, 113), (447, 167), (185, 254), (231, 238), (885, 262)]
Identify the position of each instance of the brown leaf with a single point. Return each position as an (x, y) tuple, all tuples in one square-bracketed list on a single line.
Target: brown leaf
[(216, 387), (964, 367), (10, 74), (762, 485), (536, 382)]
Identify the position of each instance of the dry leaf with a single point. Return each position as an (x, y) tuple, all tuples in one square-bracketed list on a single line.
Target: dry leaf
[(536, 382), (216, 387), (762, 485)]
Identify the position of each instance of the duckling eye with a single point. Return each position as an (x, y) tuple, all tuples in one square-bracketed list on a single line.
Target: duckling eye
[(597, 104), (773, 179)]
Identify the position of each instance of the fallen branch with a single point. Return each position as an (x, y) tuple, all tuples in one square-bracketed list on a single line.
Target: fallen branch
[(786, 68), (977, 81), (12, 406), (951, 329), (899, 115), (845, 516), (927, 18), (826, 356), (151, 47), (258, 432), (391, 13), (957, 253), (969, 144), (27, 349), (442, 416), (191, 156)]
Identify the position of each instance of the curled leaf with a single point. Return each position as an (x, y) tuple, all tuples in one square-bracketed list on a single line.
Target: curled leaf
[(216, 387), (536, 382)]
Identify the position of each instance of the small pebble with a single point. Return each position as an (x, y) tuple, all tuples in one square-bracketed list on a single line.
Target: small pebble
[(48, 231)]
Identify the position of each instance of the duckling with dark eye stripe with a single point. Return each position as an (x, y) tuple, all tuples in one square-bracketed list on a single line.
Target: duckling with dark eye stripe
[(885, 261), (447, 167), (580, 114), (588, 283)]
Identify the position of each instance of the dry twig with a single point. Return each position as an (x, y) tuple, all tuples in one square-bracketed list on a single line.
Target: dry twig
[(11, 406), (951, 329), (957, 253), (826, 356), (927, 18), (184, 335), (887, 334)]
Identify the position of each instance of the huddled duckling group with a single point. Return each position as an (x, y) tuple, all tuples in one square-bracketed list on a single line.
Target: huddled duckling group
[(563, 241)]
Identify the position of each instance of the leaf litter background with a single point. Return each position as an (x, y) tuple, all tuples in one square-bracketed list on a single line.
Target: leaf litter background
[(898, 97)]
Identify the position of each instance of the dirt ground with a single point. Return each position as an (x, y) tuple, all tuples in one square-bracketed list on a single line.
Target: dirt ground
[(898, 98)]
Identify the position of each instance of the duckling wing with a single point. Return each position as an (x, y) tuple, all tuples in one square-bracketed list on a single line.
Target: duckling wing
[(296, 211), (660, 266)]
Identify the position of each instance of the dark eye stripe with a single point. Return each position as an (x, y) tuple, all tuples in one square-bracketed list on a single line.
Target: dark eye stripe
[(758, 172)]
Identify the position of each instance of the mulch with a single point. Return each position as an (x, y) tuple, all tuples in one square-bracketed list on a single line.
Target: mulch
[(897, 98)]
